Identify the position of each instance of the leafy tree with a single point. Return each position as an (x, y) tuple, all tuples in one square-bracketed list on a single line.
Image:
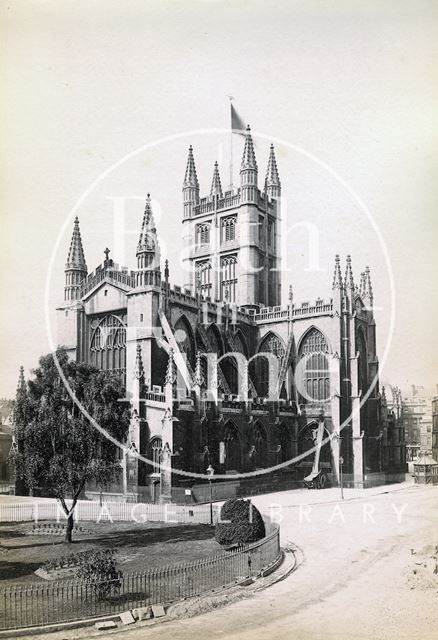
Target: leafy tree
[(60, 449)]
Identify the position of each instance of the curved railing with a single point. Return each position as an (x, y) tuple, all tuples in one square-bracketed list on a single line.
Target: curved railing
[(69, 601)]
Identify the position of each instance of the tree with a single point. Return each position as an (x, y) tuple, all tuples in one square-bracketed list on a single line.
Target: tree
[(60, 449)]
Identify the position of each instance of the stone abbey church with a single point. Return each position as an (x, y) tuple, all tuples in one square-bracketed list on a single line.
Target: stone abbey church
[(159, 337)]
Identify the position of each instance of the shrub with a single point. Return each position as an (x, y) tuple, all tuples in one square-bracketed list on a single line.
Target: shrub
[(98, 568), (245, 523)]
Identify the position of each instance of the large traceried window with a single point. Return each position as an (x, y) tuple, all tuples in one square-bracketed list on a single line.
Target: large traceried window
[(155, 451), (203, 278), (260, 368), (228, 278), (316, 380), (228, 228), (108, 343), (203, 233)]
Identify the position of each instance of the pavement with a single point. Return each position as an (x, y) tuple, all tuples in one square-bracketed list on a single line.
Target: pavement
[(366, 569)]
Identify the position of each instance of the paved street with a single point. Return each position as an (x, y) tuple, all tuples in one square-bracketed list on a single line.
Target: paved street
[(355, 577)]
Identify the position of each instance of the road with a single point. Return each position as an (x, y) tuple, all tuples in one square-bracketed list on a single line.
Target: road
[(365, 572)]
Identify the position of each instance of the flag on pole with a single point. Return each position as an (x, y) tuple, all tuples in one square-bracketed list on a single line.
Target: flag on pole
[(237, 124)]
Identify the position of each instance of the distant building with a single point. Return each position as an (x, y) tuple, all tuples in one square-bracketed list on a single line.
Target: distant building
[(435, 428), (417, 424)]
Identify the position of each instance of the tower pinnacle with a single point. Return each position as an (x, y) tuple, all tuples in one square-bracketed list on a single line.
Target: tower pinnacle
[(190, 186), (349, 280), (76, 267), (248, 158), (368, 289), (337, 276), (272, 180), (191, 178), (248, 171), (148, 250), (216, 186)]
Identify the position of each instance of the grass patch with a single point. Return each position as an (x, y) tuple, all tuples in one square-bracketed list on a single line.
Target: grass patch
[(139, 547)]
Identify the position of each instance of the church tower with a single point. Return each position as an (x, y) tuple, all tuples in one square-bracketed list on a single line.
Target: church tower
[(231, 238)]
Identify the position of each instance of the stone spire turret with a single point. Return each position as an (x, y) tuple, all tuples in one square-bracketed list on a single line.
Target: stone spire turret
[(349, 280), (337, 276), (148, 251), (190, 186), (368, 289), (216, 186), (76, 267), (272, 180), (362, 285), (248, 170)]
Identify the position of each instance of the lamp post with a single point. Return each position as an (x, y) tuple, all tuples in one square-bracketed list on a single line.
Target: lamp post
[(341, 479), (210, 472)]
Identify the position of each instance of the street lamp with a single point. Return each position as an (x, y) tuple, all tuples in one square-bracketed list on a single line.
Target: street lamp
[(210, 472), (341, 479)]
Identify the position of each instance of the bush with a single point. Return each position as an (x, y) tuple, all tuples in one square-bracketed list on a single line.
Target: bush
[(245, 523), (98, 568)]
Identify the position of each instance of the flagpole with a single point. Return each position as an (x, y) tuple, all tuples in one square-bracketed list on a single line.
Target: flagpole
[(231, 143)]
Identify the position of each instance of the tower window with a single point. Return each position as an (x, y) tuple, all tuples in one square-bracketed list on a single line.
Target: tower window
[(228, 278), (105, 293), (141, 317), (203, 233), (228, 229), (203, 278)]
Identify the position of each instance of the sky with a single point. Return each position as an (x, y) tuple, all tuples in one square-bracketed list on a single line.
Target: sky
[(347, 91)]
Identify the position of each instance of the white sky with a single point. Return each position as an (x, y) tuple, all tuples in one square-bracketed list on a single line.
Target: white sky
[(353, 84)]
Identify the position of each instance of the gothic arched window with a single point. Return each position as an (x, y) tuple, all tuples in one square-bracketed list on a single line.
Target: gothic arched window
[(259, 368), (155, 451), (203, 278), (203, 233), (228, 226), (228, 278), (108, 343), (315, 385)]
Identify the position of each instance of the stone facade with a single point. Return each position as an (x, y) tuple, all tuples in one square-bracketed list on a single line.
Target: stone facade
[(156, 337)]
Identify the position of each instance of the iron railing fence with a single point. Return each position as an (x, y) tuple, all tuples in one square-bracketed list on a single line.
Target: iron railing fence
[(68, 601), (89, 511)]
